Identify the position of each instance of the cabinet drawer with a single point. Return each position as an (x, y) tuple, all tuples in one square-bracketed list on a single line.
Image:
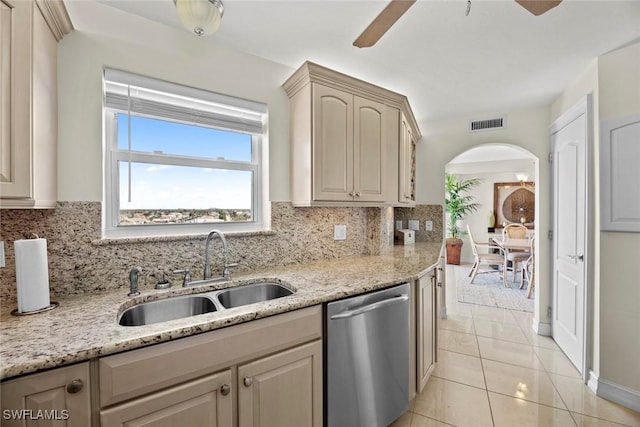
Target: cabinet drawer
[(131, 374)]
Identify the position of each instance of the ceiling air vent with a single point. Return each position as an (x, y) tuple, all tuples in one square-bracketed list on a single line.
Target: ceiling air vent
[(487, 124)]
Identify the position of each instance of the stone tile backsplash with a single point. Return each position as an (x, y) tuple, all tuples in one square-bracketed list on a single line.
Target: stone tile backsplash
[(80, 262)]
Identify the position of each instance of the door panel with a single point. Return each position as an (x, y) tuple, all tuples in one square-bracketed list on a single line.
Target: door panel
[(369, 149), (333, 144), (569, 145)]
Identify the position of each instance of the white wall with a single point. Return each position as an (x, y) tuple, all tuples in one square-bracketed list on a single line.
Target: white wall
[(614, 82), (444, 139), (142, 46), (619, 87)]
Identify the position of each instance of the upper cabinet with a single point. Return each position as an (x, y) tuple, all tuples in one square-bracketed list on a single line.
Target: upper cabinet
[(407, 154), (346, 140), (30, 30)]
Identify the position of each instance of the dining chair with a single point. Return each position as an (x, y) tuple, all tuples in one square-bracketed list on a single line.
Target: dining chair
[(515, 256), (527, 273), (489, 259)]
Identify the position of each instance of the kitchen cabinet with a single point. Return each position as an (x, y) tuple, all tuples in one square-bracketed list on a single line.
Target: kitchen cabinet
[(349, 153), (61, 394), (345, 139), (282, 390), (407, 164), (29, 31), (203, 402), (425, 327), (264, 372)]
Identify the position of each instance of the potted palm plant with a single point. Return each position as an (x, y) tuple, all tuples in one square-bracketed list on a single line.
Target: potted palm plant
[(457, 205)]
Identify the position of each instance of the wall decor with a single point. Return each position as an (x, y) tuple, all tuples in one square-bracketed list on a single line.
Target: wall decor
[(514, 202)]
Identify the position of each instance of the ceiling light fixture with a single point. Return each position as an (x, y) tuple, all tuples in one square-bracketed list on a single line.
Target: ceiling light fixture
[(200, 16)]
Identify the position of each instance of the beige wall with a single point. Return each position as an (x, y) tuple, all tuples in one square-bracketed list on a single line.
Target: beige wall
[(619, 89), (142, 46), (528, 129)]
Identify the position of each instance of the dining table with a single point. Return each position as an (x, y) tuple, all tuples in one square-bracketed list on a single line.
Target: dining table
[(512, 244)]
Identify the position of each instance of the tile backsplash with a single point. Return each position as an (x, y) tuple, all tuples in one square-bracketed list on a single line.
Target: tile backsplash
[(80, 262)]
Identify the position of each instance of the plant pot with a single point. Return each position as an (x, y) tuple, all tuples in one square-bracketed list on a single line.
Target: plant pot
[(454, 247)]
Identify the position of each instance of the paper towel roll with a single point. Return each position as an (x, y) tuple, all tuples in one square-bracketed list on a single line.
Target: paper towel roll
[(32, 274)]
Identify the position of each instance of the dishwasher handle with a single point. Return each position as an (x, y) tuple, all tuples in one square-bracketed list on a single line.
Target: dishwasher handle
[(376, 305)]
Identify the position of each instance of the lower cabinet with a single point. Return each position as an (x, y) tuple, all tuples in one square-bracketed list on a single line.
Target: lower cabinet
[(57, 397), (267, 372), (425, 327), (204, 402), (282, 390)]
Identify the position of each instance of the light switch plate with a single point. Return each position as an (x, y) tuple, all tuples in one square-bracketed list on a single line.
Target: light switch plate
[(428, 225), (414, 224), (339, 232), (2, 254), (399, 224)]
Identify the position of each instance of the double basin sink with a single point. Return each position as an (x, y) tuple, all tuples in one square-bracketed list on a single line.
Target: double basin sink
[(179, 307)]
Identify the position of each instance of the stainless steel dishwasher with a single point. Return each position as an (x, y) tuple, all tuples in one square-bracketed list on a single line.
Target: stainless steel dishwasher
[(367, 356)]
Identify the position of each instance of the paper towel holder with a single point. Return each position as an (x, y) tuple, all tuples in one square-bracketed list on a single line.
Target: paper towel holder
[(52, 305)]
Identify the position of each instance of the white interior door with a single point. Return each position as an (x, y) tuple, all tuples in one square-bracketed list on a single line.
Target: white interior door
[(569, 147)]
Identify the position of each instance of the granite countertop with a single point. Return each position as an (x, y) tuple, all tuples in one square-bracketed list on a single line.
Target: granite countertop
[(84, 326)]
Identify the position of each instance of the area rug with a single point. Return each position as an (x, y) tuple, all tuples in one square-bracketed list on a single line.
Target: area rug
[(487, 289)]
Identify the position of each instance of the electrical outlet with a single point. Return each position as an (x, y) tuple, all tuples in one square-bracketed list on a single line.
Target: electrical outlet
[(428, 225), (389, 226), (339, 232), (414, 224), (399, 224), (2, 254)]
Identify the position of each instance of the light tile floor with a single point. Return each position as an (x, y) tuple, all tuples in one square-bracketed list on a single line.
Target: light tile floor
[(493, 370)]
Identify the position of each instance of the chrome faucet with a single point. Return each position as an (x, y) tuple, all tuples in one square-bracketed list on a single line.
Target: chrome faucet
[(207, 257), (133, 281)]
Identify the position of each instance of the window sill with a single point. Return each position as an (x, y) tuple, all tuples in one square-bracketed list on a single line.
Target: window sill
[(177, 238)]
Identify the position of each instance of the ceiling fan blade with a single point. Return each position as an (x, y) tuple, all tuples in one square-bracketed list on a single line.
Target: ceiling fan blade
[(538, 7), (383, 22)]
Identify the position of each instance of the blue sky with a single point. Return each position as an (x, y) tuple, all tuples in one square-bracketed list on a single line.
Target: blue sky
[(173, 187)]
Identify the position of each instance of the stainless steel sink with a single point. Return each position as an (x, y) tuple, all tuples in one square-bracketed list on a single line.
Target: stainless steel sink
[(253, 293), (147, 313), (178, 307)]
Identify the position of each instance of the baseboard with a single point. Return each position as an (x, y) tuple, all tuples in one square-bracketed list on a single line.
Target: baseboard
[(541, 328), (618, 394)]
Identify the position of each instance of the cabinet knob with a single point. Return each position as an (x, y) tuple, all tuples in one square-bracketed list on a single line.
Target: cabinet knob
[(225, 389), (75, 386), (358, 194), (351, 193), (247, 381)]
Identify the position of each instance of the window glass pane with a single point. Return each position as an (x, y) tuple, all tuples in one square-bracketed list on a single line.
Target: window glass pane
[(166, 194), (162, 136)]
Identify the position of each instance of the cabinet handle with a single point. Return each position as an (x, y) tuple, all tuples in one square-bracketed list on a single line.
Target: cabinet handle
[(75, 386), (225, 389), (247, 381)]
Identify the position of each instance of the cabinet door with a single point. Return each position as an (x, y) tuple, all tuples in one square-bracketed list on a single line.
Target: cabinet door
[(332, 144), (406, 181), (60, 397), (369, 150), (206, 402), (283, 390), (15, 98), (426, 330)]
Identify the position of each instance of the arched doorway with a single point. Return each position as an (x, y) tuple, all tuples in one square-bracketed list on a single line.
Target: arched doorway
[(502, 169)]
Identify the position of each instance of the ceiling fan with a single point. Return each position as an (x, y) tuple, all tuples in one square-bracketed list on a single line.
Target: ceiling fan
[(397, 8)]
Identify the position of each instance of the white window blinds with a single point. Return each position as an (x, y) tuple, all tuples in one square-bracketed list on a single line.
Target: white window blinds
[(146, 96)]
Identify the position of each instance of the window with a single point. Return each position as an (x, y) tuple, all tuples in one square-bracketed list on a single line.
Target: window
[(179, 160)]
